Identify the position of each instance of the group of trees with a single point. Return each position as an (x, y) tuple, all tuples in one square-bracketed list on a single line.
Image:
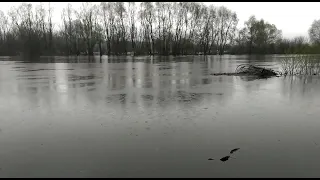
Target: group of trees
[(260, 37), (26, 30), (164, 28), (257, 37)]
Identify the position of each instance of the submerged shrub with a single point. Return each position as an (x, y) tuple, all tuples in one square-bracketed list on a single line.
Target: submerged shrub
[(301, 65)]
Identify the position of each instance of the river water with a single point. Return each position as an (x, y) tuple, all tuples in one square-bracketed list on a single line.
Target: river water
[(155, 117)]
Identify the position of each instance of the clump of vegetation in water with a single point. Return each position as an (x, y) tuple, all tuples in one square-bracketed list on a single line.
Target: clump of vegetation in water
[(290, 65), (250, 70), (301, 65)]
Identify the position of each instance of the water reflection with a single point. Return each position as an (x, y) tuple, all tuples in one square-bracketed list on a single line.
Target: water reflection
[(139, 77), (300, 86), (61, 78), (155, 116)]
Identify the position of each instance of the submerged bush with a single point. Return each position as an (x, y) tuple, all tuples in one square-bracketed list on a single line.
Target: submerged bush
[(301, 65)]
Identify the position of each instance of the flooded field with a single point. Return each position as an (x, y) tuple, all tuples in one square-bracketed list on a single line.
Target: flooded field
[(156, 117)]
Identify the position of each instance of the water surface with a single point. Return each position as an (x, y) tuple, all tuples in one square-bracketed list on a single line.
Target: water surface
[(155, 117)]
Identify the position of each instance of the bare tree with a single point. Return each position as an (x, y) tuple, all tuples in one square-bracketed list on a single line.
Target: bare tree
[(314, 32), (147, 17), (121, 15), (108, 22), (3, 27), (162, 28), (50, 28), (87, 16), (227, 26), (67, 16), (132, 23)]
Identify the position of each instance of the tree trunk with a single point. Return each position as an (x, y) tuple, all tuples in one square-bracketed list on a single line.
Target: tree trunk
[(100, 48)]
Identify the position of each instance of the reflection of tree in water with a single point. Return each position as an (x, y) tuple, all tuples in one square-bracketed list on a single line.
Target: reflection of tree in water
[(300, 85), (218, 64), (252, 78), (162, 98), (183, 96), (61, 59), (146, 84), (121, 98)]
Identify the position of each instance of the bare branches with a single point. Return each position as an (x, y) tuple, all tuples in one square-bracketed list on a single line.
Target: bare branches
[(314, 32), (116, 28)]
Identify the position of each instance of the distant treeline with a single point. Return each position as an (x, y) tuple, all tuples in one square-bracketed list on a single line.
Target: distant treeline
[(162, 28)]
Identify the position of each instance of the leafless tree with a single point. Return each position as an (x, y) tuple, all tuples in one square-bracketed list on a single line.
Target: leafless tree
[(314, 32)]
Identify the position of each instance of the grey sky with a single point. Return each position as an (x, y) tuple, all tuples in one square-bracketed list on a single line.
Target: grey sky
[(293, 18)]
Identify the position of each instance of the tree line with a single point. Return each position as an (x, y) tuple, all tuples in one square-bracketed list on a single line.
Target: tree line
[(146, 28)]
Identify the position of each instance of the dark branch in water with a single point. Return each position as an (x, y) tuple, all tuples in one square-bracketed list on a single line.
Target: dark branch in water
[(234, 150), (226, 158)]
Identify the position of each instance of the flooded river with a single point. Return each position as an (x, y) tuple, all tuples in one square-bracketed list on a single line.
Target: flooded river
[(156, 117)]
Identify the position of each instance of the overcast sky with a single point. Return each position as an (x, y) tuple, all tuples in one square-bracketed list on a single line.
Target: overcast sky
[(293, 18)]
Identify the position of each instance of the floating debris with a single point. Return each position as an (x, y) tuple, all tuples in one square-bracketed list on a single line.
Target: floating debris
[(234, 150), (210, 159), (225, 158)]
